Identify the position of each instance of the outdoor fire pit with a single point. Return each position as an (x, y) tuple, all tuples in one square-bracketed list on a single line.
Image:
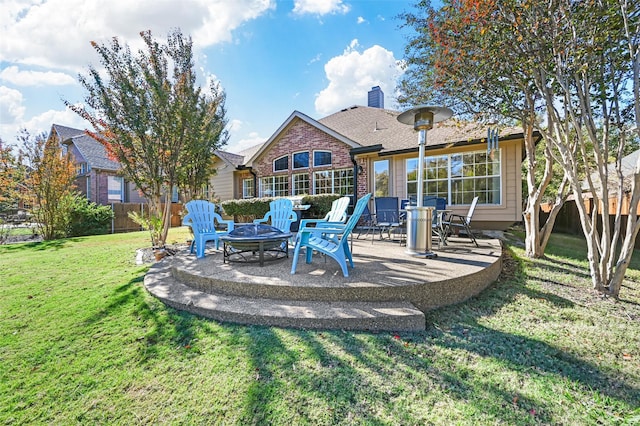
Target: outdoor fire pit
[(249, 243)]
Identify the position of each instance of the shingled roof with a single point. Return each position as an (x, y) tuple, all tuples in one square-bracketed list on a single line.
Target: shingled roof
[(369, 126), (92, 151)]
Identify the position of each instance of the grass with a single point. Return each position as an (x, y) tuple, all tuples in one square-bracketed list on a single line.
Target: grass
[(82, 342)]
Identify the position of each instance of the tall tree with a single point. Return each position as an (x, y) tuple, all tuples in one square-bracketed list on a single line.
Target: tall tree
[(12, 175), (460, 56), (152, 117), (49, 183), (577, 63)]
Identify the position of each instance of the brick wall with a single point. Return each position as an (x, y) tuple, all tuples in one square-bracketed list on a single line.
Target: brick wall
[(300, 137)]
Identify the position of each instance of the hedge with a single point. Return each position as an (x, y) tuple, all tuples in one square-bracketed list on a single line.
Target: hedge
[(246, 210)]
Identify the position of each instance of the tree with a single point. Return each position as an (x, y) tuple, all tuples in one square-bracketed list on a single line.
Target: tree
[(12, 175), (576, 63), (460, 56), (49, 183), (152, 118)]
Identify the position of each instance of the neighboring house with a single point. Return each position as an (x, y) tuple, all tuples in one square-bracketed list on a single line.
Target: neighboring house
[(368, 149), (98, 176)]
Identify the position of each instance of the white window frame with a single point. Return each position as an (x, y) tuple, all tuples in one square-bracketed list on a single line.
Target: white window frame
[(115, 194), (293, 160), (280, 158), (466, 199), (248, 188), (333, 177), (324, 151), (296, 181)]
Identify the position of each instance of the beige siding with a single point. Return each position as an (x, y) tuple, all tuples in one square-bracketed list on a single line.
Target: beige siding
[(222, 181), (498, 216)]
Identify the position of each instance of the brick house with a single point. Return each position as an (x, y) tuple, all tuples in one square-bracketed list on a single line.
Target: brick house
[(364, 149), (98, 176)]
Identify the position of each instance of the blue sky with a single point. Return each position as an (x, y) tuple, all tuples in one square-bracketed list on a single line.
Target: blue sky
[(271, 57)]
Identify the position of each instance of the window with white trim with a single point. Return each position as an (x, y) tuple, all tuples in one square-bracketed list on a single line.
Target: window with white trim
[(274, 186), (114, 188), (459, 177), (321, 158), (281, 164), (381, 178), (301, 160), (300, 184), (247, 188), (333, 182)]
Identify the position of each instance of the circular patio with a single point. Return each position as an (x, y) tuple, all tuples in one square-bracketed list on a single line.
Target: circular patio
[(387, 290)]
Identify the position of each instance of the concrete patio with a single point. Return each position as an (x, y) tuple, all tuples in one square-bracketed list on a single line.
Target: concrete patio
[(387, 290)]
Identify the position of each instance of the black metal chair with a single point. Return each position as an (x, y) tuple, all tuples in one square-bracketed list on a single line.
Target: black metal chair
[(462, 222)]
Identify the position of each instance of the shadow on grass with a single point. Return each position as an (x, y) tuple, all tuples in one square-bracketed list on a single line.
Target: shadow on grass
[(348, 372), (40, 245)]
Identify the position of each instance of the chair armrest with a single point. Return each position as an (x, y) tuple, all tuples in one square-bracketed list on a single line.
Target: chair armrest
[(186, 221), (323, 229), (230, 224), (263, 220)]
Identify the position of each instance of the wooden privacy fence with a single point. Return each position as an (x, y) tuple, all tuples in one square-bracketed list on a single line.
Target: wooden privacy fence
[(568, 219), (123, 223)]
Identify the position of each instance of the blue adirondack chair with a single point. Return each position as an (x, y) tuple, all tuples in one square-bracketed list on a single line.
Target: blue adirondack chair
[(202, 218), (280, 215), (312, 239)]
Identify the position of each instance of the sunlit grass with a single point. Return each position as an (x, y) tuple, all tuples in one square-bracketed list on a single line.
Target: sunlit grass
[(82, 342)]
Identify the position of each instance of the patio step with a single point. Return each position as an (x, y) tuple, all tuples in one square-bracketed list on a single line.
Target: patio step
[(309, 314)]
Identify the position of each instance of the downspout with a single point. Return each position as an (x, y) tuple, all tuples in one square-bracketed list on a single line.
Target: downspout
[(255, 178)]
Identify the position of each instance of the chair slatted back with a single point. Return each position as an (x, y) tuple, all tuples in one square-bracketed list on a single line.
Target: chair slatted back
[(387, 210), (338, 212), (281, 214), (201, 216)]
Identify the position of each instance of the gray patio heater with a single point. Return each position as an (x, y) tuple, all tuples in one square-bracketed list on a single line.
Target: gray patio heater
[(419, 217)]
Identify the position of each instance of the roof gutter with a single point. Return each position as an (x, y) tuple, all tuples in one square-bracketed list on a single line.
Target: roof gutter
[(480, 141)]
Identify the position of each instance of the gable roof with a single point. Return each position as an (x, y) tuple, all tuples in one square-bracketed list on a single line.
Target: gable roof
[(65, 133), (297, 115), (368, 126), (628, 168), (92, 151), (230, 158)]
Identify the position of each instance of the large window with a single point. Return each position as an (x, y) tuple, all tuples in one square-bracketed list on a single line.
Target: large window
[(281, 164), (321, 158), (300, 184), (333, 182), (247, 188), (114, 188), (274, 186), (381, 178), (459, 177), (301, 160)]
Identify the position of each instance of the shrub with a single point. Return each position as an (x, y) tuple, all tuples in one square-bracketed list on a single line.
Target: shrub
[(320, 204), (246, 210), (88, 218)]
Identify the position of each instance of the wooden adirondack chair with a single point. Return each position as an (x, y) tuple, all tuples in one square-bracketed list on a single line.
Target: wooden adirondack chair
[(338, 249), (202, 218), (280, 215)]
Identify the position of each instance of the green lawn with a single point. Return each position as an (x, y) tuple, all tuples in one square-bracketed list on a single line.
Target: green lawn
[(82, 342)]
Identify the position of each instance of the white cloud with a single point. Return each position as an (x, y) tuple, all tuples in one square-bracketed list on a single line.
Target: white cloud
[(352, 74), (319, 7), (11, 107), (250, 140), (361, 20), (57, 33), (35, 78), (234, 125)]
